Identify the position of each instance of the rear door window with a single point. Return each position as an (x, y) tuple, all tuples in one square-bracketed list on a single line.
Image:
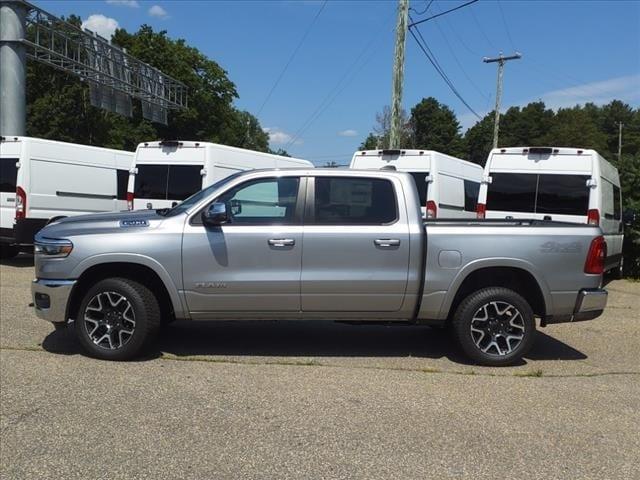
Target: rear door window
[(122, 181), (151, 182), (512, 192), (421, 183), (617, 204), (471, 190), (563, 194), (354, 201), (184, 181), (8, 175)]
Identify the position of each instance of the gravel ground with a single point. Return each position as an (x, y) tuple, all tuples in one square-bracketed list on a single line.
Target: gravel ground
[(317, 400)]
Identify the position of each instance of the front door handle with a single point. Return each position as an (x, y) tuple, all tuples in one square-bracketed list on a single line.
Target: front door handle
[(387, 242), (282, 242)]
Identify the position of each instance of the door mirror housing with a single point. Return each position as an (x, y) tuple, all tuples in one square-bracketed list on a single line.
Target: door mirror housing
[(215, 214)]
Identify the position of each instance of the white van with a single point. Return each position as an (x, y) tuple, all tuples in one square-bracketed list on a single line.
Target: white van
[(43, 179), (167, 172), (447, 186), (563, 184)]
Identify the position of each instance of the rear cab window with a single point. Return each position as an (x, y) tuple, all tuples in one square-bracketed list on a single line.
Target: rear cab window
[(354, 201), (8, 175)]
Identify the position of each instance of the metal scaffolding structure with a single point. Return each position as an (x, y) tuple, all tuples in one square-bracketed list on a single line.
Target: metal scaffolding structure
[(114, 76)]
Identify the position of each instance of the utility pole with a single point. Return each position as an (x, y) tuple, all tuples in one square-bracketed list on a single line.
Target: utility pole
[(501, 60), (619, 141), (398, 75), (13, 104)]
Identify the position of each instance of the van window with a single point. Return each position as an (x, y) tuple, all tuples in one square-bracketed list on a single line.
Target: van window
[(539, 193), (617, 207), (471, 190), (563, 194), (184, 181), (422, 185), (354, 201), (122, 180), (8, 175), (151, 182), (512, 192)]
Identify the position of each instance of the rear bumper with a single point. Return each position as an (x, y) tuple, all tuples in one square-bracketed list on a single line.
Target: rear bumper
[(26, 228), (590, 304), (50, 298)]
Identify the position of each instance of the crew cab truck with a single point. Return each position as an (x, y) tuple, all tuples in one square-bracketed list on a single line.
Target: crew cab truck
[(314, 244)]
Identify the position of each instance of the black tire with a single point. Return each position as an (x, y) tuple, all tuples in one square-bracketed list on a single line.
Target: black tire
[(488, 323), (8, 251), (618, 272), (129, 325)]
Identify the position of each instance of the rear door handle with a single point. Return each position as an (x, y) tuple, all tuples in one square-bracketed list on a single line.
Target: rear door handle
[(387, 242), (282, 242)]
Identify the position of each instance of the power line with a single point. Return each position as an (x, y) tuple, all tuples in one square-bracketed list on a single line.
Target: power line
[(349, 75), (442, 13), (424, 11), (460, 40), (506, 27), (455, 57), (295, 51), (434, 62), (475, 19)]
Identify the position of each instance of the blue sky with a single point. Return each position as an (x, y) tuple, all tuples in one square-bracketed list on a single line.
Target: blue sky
[(573, 52)]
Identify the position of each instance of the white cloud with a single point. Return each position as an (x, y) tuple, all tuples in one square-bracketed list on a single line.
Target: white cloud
[(278, 137), (600, 92), (158, 11), (124, 3), (103, 26), (348, 133)]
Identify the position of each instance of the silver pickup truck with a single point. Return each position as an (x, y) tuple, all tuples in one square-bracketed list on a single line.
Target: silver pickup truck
[(314, 244)]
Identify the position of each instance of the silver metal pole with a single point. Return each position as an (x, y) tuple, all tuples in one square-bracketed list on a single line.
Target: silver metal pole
[(13, 68)]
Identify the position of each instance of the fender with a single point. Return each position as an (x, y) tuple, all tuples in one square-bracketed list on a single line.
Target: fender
[(495, 262), (176, 299)]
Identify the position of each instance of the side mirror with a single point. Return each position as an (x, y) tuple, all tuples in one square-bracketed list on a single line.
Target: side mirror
[(215, 214), (629, 218)]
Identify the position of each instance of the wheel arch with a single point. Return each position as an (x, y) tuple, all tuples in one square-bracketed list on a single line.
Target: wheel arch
[(165, 292), (515, 277)]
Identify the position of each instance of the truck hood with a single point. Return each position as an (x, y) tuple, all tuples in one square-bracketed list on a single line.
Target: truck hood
[(100, 223)]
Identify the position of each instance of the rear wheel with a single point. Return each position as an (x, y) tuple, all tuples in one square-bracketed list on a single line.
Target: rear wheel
[(117, 319), (494, 326), (8, 251)]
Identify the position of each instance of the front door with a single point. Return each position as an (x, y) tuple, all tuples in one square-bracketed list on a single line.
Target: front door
[(356, 246), (252, 263)]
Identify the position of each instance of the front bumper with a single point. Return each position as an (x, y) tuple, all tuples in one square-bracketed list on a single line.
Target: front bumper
[(590, 304), (51, 297)]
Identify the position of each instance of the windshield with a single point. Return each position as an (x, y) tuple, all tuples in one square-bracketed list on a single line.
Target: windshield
[(197, 197)]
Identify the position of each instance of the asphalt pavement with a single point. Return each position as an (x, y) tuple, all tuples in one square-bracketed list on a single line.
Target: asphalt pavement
[(317, 400)]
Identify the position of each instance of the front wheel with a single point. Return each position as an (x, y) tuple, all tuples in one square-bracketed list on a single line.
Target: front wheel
[(494, 326), (117, 319)]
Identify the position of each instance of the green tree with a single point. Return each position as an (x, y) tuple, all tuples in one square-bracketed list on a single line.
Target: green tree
[(435, 127), (370, 143), (479, 140)]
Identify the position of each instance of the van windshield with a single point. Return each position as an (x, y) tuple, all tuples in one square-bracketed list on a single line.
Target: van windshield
[(421, 183), (8, 175), (539, 193), (167, 182)]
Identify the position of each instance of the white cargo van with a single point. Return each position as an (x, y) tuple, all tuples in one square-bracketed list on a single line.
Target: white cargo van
[(563, 184), (44, 179), (167, 172), (447, 186)]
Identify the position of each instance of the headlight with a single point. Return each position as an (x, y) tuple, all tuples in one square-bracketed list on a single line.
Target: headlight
[(53, 248)]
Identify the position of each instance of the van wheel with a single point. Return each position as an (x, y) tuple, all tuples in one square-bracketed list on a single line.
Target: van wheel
[(8, 251), (618, 272), (117, 319), (494, 326)]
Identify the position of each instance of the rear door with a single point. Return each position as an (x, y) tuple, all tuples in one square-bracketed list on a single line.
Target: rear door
[(356, 246), (8, 178), (160, 185)]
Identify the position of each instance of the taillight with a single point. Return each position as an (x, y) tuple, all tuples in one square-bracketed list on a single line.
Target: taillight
[(593, 217), (595, 258), (130, 200), (432, 209), (21, 203), (481, 210)]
